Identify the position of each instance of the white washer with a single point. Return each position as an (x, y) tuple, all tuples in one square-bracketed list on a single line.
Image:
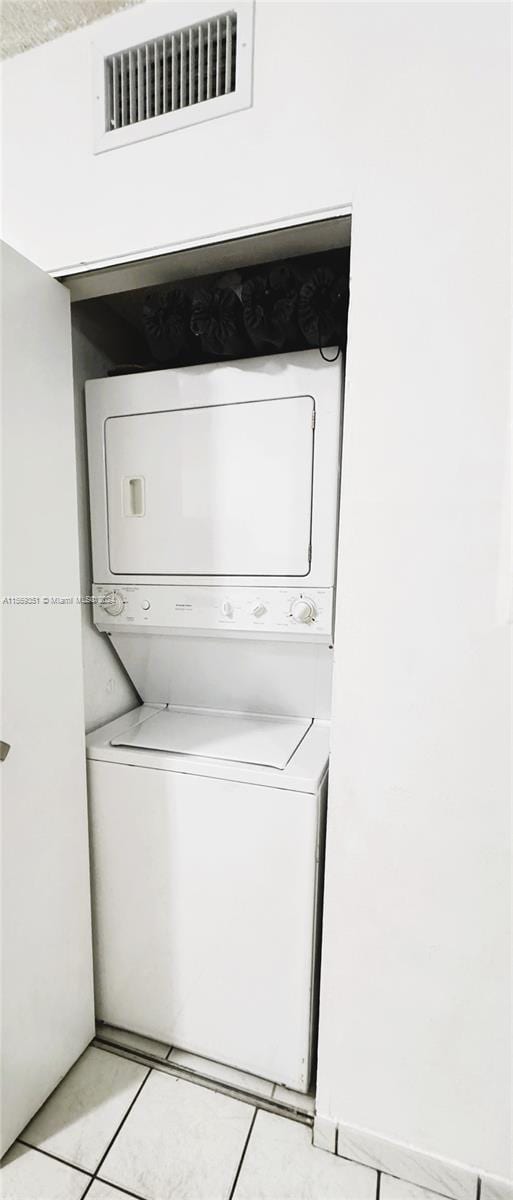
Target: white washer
[(206, 837)]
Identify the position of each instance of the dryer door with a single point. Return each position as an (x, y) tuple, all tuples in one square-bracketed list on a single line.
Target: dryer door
[(209, 491)]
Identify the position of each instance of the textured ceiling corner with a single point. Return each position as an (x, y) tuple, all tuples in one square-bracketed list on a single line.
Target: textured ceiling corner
[(28, 23)]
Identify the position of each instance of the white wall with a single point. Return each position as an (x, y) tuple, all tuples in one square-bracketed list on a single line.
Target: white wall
[(401, 111), (108, 692)]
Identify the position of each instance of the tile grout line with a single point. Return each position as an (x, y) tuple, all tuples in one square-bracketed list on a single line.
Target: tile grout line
[(243, 1155), (360, 1162), (56, 1157), (111, 1047), (402, 1179), (118, 1130), (194, 1075), (92, 1176), (88, 1188), (115, 1187), (253, 1099)]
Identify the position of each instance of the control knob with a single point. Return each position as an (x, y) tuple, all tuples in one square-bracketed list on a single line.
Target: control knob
[(112, 603), (257, 609), (303, 611), (227, 608)]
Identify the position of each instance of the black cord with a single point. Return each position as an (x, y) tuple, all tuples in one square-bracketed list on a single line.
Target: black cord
[(321, 351), (325, 357)]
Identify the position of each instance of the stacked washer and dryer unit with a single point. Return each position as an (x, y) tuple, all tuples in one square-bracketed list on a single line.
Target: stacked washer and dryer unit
[(214, 507)]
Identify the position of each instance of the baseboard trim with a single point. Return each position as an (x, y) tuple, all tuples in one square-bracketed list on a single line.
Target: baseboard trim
[(325, 1134), (429, 1171), (494, 1188)]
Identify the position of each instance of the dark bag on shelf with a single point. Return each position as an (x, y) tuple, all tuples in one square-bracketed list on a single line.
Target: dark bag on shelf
[(167, 319), (217, 320), (269, 304), (322, 307)]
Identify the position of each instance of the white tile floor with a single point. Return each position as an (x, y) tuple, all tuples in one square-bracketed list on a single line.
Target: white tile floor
[(204, 1067), (83, 1114), (115, 1128)]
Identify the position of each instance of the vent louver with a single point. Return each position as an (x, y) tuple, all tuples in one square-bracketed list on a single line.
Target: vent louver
[(149, 80), (171, 73)]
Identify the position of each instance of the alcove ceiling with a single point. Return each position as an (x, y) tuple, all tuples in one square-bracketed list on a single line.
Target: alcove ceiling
[(28, 23)]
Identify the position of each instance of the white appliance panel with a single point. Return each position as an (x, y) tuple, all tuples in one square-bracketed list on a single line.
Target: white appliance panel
[(239, 737), (285, 678), (217, 469), (216, 490), (204, 924), (302, 614)]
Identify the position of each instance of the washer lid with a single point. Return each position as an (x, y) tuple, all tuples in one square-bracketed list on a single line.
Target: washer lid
[(237, 737)]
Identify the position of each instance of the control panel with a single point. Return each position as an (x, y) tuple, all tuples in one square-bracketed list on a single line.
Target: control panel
[(304, 614)]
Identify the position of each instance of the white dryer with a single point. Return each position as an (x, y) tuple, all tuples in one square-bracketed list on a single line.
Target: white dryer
[(225, 474), (206, 846)]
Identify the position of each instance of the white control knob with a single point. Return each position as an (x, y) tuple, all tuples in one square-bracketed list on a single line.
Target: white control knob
[(227, 609), (145, 605), (112, 603), (303, 611), (257, 609)]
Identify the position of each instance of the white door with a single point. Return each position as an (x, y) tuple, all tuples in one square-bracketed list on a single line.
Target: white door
[(47, 1001), (224, 489)]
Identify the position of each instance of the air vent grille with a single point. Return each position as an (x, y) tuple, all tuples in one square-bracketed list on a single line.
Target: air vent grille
[(172, 72)]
